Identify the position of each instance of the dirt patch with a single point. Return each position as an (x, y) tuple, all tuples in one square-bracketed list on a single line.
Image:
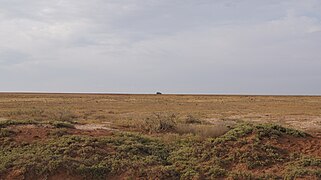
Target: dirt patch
[(16, 174), (65, 176), (285, 144), (309, 146), (3, 119), (93, 130), (29, 133), (311, 124), (91, 127)]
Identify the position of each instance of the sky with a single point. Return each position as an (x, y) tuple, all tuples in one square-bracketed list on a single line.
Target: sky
[(172, 46)]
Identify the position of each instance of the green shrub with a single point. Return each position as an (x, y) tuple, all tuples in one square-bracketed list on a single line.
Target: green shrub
[(241, 175), (60, 124), (273, 130), (235, 133), (216, 172), (16, 122), (138, 156)]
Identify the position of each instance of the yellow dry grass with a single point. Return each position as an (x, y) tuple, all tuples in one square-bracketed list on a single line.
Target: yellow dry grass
[(301, 112)]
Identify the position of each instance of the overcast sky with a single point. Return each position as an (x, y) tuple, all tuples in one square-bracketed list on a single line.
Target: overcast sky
[(172, 46)]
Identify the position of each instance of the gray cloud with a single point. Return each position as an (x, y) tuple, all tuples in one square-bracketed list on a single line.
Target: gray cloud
[(11, 57), (180, 46)]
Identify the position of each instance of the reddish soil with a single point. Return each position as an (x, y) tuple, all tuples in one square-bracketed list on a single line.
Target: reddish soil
[(29, 133), (64, 176), (39, 133), (32, 133), (309, 145), (16, 174)]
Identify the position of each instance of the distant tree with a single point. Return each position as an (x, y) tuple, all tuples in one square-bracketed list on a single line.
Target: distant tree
[(159, 93)]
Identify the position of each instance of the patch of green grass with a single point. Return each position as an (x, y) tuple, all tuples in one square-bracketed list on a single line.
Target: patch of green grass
[(7, 123)]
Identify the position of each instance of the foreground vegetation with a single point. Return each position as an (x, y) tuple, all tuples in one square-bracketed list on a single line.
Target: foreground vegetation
[(247, 151)]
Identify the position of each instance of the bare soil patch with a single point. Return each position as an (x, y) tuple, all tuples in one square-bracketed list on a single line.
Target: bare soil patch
[(91, 127), (29, 133)]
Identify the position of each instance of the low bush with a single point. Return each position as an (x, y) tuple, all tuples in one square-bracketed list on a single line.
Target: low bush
[(61, 124), (137, 156), (273, 130), (7, 123), (59, 132), (64, 115), (158, 123), (192, 120)]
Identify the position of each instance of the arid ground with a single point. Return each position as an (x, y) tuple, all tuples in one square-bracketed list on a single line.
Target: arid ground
[(96, 136)]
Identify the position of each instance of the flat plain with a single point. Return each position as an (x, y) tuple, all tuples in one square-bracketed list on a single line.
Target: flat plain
[(115, 136)]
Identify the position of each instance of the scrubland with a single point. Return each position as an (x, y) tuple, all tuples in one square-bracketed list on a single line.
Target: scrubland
[(87, 136)]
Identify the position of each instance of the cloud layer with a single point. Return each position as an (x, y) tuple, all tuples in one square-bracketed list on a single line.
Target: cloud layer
[(174, 46)]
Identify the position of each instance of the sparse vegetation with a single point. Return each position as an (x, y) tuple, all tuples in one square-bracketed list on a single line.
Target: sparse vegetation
[(61, 124), (192, 120), (5, 132), (40, 141), (6, 123), (64, 116), (187, 157)]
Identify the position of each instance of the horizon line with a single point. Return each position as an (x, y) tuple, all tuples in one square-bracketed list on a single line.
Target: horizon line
[(141, 93)]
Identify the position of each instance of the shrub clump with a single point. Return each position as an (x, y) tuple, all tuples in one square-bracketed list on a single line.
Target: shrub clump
[(192, 120), (64, 115), (7, 123), (61, 124), (273, 130), (158, 123)]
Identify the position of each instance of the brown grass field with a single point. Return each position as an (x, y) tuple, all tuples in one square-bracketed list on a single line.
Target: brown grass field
[(104, 136)]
